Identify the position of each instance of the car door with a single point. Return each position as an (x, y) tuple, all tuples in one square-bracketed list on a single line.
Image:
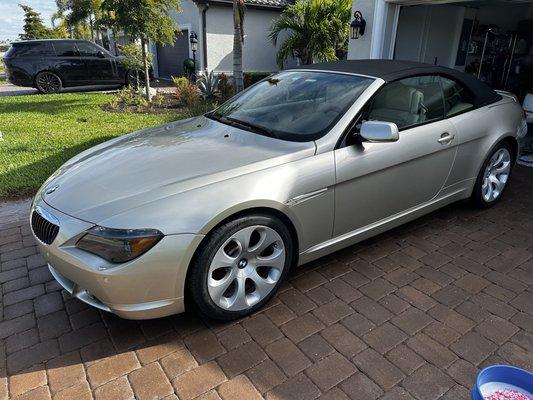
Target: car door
[(100, 66), (68, 64), (375, 181)]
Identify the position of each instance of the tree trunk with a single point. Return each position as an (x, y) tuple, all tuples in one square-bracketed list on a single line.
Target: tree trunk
[(237, 49), (92, 27), (146, 70)]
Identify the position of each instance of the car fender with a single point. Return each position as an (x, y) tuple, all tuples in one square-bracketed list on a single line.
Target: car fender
[(479, 131), (199, 210), (255, 206)]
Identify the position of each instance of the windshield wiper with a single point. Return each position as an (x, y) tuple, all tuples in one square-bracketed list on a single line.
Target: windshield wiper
[(250, 126), (242, 124)]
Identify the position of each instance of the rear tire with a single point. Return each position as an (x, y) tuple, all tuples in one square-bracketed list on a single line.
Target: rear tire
[(240, 266), (47, 82), (131, 78), (493, 177)]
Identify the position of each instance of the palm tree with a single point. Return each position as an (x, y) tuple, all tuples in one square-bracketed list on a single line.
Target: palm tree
[(316, 30), (238, 39)]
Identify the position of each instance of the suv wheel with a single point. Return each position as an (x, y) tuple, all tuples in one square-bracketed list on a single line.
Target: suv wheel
[(131, 78), (241, 266), (48, 82)]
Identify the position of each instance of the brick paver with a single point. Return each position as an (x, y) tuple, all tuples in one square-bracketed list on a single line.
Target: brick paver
[(411, 314)]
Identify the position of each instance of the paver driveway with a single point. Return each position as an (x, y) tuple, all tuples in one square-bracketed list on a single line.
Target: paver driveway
[(413, 313)]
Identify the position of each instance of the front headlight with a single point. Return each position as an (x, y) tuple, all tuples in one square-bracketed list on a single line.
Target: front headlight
[(119, 245)]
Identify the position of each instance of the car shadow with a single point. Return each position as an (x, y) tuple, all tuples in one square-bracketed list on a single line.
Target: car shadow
[(46, 105)]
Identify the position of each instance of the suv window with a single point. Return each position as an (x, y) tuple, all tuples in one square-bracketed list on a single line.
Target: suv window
[(65, 49), (87, 49), (29, 49), (456, 97), (408, 102)]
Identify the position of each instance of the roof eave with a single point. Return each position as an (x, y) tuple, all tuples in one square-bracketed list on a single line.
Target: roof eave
[(229, 3)]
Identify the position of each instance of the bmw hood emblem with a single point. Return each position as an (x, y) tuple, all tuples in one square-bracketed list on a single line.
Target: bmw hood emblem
[(51, 189)]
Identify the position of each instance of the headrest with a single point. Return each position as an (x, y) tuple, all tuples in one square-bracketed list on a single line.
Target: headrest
[(400, 97)]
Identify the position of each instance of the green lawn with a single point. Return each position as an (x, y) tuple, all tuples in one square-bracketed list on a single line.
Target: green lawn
[(41, 132)]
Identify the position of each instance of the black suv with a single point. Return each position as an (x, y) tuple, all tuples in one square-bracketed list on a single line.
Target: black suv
[(49, 65)]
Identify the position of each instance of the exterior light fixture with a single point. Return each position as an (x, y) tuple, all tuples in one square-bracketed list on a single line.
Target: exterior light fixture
[(193, 39), (358, 25)]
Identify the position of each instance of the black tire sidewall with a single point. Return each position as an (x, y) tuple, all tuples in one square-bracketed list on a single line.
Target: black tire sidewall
[(477, 195), (197, 280), (48, 72), (132, 81)]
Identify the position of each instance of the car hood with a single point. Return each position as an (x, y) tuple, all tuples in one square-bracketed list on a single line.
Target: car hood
[(147, 165)]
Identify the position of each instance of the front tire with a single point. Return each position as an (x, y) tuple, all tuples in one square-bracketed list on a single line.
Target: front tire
[(493, 177), (240, 266), (48, 82)]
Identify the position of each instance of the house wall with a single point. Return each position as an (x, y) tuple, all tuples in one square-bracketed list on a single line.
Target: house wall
[(259, 54), (188, 19), (360, 48)]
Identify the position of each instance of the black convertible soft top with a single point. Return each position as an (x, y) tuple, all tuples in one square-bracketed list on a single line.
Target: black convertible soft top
[(391, 70)]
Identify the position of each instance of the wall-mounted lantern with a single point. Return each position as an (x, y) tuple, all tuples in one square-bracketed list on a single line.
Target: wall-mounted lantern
[(358, 25), (193, 38)]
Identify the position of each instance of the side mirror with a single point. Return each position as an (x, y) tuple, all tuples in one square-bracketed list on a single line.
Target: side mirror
[(100, 54), (379, 131)]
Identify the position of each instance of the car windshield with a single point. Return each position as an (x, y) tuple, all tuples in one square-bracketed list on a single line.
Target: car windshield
[(293, 105)]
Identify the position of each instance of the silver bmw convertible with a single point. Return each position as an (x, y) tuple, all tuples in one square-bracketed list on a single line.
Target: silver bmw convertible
[(214, 211)]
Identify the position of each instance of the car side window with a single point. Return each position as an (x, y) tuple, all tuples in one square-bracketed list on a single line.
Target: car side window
[(87, 50), (408, 102), (31, 49), (65, 49), (457, 98)]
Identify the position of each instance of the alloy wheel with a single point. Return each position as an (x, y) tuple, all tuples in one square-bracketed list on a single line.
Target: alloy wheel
[(246, 268), (48, 82), (132, 79), (496, 175)]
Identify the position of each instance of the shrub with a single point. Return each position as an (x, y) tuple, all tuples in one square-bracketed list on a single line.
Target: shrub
[(208, 85), (158, 100), (180, 81), (128, 96), (199, 108), (253, 77), (133, 61), (187, 95), (225, 86)]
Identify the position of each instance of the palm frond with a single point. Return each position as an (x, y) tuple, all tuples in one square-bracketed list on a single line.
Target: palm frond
[(315, 29)]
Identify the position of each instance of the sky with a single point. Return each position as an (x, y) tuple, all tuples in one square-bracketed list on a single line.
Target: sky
[(11, 15)]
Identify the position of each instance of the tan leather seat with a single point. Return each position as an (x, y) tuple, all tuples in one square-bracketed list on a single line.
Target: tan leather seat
[(400, 104)]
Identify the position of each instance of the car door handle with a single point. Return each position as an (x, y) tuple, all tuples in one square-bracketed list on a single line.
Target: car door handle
[(446, 138)]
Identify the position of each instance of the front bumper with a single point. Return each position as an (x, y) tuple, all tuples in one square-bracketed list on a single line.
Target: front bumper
[(150, 286)]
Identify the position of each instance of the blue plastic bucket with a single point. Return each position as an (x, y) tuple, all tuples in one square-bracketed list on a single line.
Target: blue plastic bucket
[(500, 377)]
